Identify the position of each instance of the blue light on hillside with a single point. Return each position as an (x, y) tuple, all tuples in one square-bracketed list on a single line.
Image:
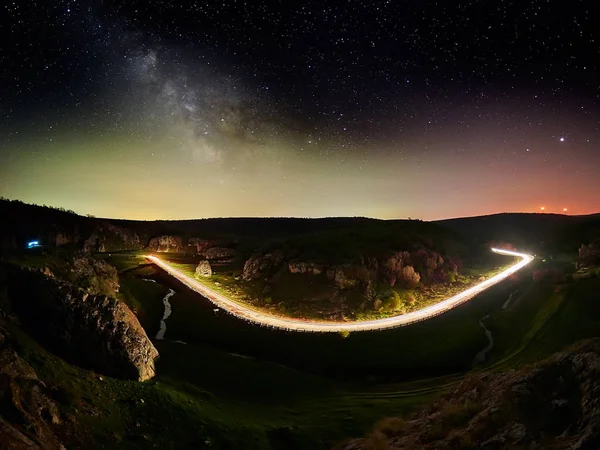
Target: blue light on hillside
[(33, 244)]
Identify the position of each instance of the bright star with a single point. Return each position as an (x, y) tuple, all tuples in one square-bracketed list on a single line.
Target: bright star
[(562, 139)]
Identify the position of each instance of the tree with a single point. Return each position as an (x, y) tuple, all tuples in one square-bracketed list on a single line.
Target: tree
[(396, 302)]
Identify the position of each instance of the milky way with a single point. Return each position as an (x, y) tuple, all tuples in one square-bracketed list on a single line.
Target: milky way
[(422, 109)]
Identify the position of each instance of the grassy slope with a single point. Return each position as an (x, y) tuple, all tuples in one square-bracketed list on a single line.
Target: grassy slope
[(305, 296)]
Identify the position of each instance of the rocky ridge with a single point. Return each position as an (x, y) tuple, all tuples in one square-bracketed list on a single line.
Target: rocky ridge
[(552, 405), (94, 331)]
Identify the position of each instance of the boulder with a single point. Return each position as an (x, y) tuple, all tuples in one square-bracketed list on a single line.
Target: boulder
[(203, 269), (94, 331), (164, 244), (305, 267), (260, 266)]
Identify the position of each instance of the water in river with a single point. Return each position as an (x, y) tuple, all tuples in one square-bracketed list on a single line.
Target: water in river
[(163, 325)]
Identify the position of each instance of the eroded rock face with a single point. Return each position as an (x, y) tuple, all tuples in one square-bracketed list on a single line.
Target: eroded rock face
[(309, 268), (348, 276), (23, 397), (260, 266), (204, 269), (556, 402), (64, 239), (94, 331), (220, 253), (94, 275), (337, 275), (108, 237), (589, 255), (163, 244), (200, 245)]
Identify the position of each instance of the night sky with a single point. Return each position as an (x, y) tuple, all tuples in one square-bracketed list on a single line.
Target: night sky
[(389, 109)]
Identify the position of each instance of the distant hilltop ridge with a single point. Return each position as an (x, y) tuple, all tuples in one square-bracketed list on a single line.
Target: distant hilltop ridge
[(55, 227)]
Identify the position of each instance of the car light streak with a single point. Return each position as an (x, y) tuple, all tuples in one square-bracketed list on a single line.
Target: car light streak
[(244, 312)]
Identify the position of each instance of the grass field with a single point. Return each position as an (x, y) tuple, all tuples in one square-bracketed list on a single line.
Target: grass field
[(312, 297)]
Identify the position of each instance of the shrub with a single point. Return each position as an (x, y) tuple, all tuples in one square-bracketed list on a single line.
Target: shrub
[(395, 302)]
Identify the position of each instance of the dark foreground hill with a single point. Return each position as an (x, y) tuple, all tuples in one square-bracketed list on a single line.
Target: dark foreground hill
[(554, 404)]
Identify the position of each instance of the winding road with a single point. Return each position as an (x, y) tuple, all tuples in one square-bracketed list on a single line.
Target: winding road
[(244, 312)]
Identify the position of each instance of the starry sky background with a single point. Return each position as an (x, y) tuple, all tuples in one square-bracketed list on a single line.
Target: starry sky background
[(420, 108)]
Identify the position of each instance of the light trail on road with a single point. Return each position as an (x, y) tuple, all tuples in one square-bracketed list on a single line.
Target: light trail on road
[(261, 318)]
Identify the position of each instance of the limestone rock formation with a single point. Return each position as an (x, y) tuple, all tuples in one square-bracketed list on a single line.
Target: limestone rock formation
[(204, 269), (107, 237), (27, 412), (171, 244), (94, 331), (305, 267), (340, 278), (94, 275), (220, 253), (199, 245), (260, 266), (589, 255), (64, 239), (552, 405)]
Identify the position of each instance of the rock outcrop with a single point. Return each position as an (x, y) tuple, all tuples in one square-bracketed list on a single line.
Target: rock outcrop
[(108, 238), (94, 331), (348, 276), (589, 255), (337, 275), (27, 411), (224, 254), (204, 269), (164, 244), (553, 405), (309, 268), (199, 245), (94, 275), (260, 266)]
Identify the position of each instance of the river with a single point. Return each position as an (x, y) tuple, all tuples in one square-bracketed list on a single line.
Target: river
[(163, 322)]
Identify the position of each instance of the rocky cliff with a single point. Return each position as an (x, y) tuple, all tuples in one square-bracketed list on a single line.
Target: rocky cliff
[(107, 237), (171, 244), (552, 405), (94, 331), (259, 266)]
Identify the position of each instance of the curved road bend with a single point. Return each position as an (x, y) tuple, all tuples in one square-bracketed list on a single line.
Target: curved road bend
[(244, 312)]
